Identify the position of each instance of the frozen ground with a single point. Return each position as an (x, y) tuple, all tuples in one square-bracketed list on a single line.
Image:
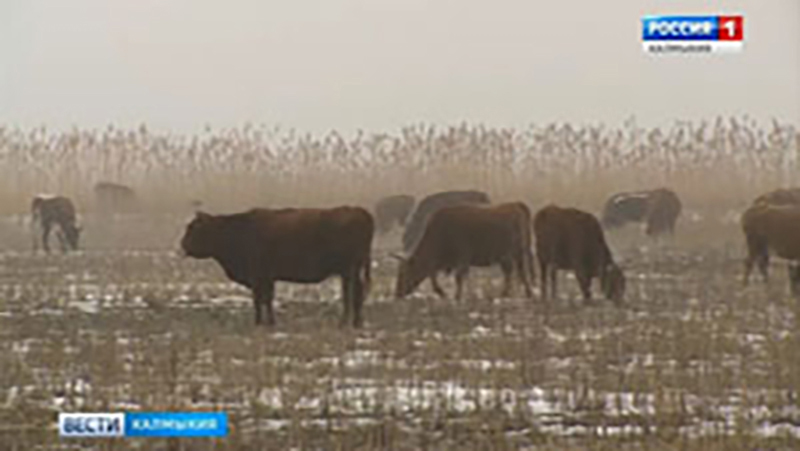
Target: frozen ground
[(691, 355)]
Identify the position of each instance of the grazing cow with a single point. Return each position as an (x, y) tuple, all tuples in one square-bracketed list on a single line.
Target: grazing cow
[(260, 247), (48, 211), (571, 239), (781, 196), (114, 198), (772, 228), (658, 209), (430, 205), (459, 237), (392, 210)]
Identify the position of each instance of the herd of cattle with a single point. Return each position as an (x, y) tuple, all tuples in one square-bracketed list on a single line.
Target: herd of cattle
[(447, 232)]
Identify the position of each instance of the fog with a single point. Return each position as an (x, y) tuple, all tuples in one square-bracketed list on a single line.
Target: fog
[(346, 64)]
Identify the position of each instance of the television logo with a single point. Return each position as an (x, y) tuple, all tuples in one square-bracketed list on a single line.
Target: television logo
[(692, 34), (91, 424), (143, 424)]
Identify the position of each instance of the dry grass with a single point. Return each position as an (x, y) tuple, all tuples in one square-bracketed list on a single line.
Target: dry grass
[(692, 360)]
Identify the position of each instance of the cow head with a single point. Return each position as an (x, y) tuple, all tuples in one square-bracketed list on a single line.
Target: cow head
[(409, 276), (72, 234), (613, 283), (197, 239)]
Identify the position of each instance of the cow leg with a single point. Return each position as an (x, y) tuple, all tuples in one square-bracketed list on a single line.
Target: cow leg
[(357, 301), (585, 284), (525, 272), (46, 237), (543, 278), (347, 299), (508, 269), (263, 297), (763, 266), (758, 254), (460, 276), (62, 240), (436, 287)]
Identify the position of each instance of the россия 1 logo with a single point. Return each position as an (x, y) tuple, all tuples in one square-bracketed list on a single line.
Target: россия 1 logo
[(692, 34)]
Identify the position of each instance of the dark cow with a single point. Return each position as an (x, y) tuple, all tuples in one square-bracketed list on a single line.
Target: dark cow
[(457, 238), (781, 196), (757, 250), (658, 209), (772, 228), (392, 210), (430, 205), (114, 198), (49, 211), (571, 239), (260, 247)]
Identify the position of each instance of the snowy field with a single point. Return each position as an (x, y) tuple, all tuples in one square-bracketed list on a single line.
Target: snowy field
[(691, 360)]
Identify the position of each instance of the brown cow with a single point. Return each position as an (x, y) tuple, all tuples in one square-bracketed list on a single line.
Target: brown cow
[(658, 209), (772, 228), (392, 210), (457, 238), (260, 247), (571, 239)]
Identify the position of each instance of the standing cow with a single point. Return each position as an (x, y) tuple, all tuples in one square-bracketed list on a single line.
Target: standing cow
[(114, 197), (571, 239), (59, 211), (430, 205), (758, 252), (460, 237), (260, 247), (392, 210), (772, 228), (659, 209)]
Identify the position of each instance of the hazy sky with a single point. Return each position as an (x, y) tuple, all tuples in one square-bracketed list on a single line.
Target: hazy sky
[(380, 64)]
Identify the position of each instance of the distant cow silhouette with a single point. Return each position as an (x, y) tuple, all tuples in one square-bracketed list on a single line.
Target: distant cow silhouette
[(114, 198), (392, 210), (780, 196), (48, 211), (658, 209), (433, 203)]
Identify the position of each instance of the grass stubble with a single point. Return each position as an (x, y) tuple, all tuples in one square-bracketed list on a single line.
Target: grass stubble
[(692, 360)]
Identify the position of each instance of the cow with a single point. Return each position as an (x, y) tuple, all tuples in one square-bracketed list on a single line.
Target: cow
[(772, 228), (659, 209), (571, 239), (48, 211), (114, 197), (259, 247), (432, 203), (392, 210), (457, 238)]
